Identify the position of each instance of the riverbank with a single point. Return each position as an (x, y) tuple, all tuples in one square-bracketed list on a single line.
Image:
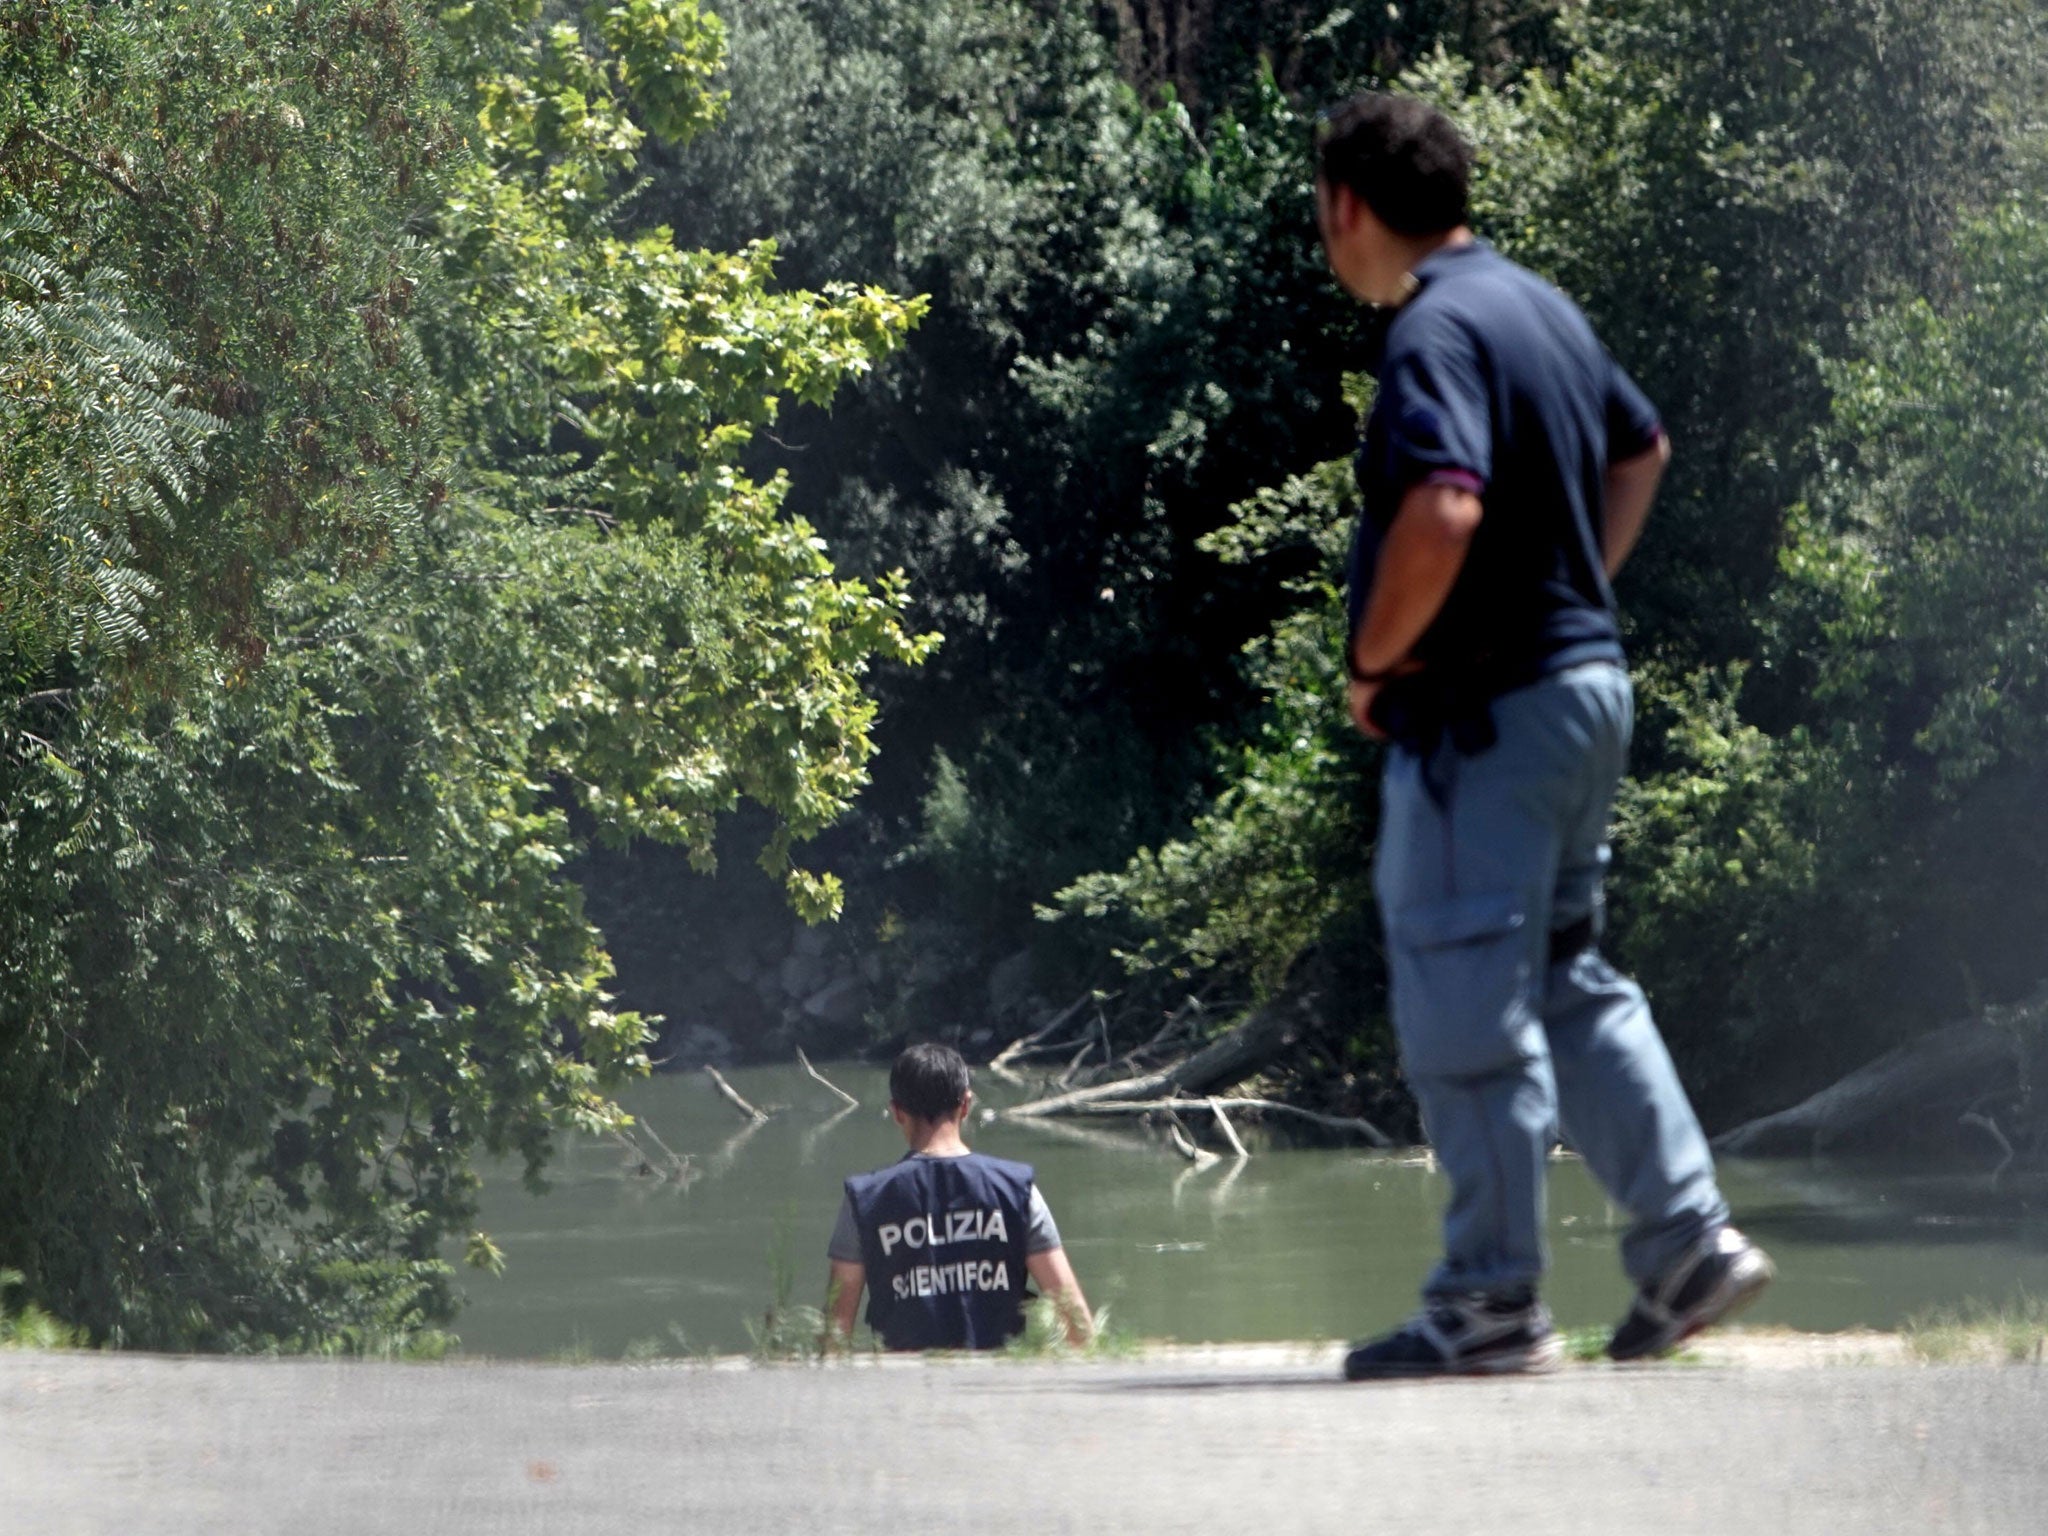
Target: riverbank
[(1748, 1437)]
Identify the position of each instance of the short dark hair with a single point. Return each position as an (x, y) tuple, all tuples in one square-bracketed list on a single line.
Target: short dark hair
[(928, 1081), (1402, 156)]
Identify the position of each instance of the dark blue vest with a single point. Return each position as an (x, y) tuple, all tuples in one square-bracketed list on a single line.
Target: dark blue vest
[(942, 1240)]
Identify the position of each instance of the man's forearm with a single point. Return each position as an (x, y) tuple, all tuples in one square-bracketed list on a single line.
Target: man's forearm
[(842, 1300), (1631, 487), (1080, 1322), (1056, 1281), (1418, 565)]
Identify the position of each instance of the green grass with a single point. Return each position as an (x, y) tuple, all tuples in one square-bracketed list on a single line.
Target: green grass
[(1045, 1337), (786, 1331), (377, 1343), (671, 1344), (578, 1351), (792, 1333), (1585, 1345), (2014, 1332), (1588, 1346)]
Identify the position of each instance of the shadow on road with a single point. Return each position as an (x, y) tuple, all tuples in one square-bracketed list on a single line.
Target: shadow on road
[(1170, 1383)]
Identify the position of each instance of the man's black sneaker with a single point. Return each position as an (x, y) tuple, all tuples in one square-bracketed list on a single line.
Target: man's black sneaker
[(1723, 1272), (1463, 1336)]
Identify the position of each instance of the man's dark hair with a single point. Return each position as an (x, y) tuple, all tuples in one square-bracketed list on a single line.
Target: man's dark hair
[(928, 1081), (1401, 155)]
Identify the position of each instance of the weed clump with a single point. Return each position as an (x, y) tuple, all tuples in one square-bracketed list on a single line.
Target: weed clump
[(24, 1325), (2013, 1333)]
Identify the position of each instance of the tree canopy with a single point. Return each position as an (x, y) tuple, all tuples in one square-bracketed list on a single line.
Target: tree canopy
[(375, 535)]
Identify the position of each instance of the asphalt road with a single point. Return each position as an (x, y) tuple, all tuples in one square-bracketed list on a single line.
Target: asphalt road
[(1266, 1442)]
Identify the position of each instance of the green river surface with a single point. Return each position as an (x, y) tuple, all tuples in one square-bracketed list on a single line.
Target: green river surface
[(1294, 1243)]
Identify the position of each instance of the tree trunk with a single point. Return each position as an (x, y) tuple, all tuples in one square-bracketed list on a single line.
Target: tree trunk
[(1949, 1066)]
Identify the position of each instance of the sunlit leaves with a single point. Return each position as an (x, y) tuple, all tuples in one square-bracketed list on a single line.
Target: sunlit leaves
[(93, 433), (287, 935), (250, 168)]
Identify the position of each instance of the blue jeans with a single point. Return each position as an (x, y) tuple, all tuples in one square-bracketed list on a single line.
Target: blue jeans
[(1480, 858)]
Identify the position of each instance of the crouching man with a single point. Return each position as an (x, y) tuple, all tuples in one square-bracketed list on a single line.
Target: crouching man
[(944, 1239)]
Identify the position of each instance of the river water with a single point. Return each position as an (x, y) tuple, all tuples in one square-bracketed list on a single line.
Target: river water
[(1292, 1244)]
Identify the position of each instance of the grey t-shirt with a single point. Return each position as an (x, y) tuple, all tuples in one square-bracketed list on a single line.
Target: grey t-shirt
[(1041, 1235)]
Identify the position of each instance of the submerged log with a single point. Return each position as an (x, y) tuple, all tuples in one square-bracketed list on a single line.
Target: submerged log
[(1348, 1125), (1223, 1063), (1178, 1138), (1948, 1066), (731, 1095), (669, 1167), (1034, 1043), (1229, 1131), (1085, 1136)]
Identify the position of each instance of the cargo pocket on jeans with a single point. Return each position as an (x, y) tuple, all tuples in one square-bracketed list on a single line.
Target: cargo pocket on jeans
[(1463, 983)]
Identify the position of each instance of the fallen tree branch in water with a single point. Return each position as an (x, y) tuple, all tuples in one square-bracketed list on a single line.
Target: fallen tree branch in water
[(1350, 1125), (1084, 1136), (1031, 1044), (1112, 1065), (1229, 1131), (678, 1163), (1950, 1065), (1223, 1063), (676, 1166), (1189, 1008), (636, 1157), (1184, 1021), (805, 1062), (1074, 1066), (731, 1095), (1178, 1138), (1005, 1074), (679, 1169)]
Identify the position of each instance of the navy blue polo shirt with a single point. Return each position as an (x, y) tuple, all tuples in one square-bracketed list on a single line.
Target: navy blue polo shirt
[(1492, 379)]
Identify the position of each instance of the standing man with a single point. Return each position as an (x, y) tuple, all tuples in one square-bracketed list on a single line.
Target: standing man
[(1507, 469), (944, 1238)]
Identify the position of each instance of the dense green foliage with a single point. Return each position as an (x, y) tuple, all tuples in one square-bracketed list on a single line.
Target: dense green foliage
[(1131, 335), (1817, 857), (1128, 331), (374, 536), (1885, 847)]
